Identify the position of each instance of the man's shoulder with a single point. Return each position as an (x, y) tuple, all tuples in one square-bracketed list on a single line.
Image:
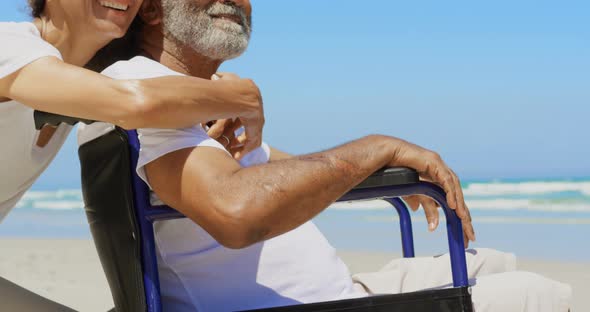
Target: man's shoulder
[(139, 67)]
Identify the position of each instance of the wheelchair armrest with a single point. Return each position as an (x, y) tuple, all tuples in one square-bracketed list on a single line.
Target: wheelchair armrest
[(43, 118), (390, 177)]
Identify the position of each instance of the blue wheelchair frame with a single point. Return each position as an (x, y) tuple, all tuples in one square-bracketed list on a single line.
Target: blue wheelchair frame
[(148, 214)]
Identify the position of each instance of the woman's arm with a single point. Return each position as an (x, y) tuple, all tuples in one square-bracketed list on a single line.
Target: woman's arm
[(51, 85)]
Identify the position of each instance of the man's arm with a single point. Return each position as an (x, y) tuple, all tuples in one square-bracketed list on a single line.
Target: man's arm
[(241, 206), (414, 202)]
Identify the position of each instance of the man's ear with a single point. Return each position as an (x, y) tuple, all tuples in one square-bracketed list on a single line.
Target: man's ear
[(151, 12)]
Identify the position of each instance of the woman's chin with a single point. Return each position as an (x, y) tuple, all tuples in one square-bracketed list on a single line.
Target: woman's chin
[(113, 24), (111, 30)]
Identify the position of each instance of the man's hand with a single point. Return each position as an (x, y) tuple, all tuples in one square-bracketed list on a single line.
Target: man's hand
[(252, 120), (430, 209), (431, 167)]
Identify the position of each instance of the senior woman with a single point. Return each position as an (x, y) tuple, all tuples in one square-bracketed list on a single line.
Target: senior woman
[(41, 69)]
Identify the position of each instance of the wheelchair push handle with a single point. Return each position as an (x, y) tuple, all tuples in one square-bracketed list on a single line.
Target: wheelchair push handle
[(43, 118)]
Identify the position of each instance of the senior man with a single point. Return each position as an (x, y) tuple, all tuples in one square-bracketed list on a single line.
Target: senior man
[(248, 241)]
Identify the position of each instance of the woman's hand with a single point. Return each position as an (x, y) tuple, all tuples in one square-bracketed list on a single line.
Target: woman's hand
[(253, 122), (224, 131)]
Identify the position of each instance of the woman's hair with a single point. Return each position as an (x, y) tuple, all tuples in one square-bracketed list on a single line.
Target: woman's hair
[(37, 7)]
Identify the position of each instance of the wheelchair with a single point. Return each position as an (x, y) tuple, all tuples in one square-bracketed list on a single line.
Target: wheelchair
[(121, 217)]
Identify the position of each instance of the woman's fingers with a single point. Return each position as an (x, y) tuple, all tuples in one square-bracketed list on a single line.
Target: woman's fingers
[(217, 129), (239, 144), (230, 129), (226, 76), (237, 151), (224, 131), (251, 138), (253, 133), (253, 118), (237, 124)]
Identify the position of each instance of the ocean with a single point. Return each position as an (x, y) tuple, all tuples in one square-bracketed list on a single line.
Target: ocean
[(536, 219)]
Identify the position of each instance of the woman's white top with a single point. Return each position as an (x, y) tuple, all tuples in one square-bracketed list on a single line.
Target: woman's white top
[(21, 160)]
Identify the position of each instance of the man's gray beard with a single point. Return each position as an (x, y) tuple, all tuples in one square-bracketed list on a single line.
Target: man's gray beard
[(194, 28)]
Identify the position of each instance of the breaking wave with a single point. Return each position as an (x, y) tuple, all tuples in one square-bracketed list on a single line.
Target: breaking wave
[(526, 188), (493, 204), (553, 196)]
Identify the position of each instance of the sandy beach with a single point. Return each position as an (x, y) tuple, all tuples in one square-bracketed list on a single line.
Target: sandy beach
[(69, 272)]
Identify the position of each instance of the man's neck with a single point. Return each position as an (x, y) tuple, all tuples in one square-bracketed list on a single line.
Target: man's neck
[(177, 56)]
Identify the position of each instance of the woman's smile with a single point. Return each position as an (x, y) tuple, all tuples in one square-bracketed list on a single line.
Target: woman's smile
[(115, 5)]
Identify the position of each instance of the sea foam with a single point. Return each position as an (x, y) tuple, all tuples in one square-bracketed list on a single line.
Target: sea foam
[(553, 196), (492, 204), (526, 188)]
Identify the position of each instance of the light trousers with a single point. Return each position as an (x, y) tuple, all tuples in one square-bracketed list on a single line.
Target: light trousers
[(496, 285)]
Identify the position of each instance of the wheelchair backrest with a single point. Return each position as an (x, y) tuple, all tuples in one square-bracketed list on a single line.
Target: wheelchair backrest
[(108, 196)]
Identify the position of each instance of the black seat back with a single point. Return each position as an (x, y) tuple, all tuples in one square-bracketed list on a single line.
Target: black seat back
[(108, 197)]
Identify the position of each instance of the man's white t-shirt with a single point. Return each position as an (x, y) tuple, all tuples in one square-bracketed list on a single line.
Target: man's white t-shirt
[(196, 272), (21, 160)]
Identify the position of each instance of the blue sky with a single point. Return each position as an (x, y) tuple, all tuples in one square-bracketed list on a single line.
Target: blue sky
[(500, 88)]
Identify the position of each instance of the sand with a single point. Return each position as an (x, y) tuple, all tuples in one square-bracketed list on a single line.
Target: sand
[(65, 271), (69, 272)]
